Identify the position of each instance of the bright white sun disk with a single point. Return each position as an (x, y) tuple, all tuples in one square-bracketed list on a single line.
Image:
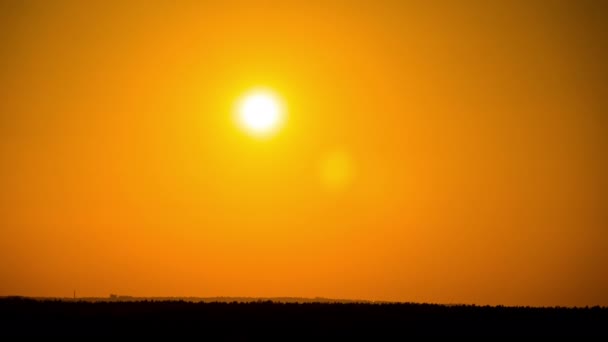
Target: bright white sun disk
[(260, 112)]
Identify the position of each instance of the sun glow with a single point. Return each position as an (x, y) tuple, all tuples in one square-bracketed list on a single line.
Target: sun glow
[(260, 113)]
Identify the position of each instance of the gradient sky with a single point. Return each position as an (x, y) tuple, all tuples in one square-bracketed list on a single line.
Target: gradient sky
[(434, 151)]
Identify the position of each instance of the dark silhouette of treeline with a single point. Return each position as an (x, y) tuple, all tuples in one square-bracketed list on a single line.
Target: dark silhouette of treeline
[(289, 321)]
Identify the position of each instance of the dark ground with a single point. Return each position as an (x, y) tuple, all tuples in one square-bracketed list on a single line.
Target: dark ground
[(289, 321)]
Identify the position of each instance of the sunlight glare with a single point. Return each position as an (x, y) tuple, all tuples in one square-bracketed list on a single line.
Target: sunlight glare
[(260, 113)]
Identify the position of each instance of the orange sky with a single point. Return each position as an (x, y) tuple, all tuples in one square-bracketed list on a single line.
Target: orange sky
[(450, 152)]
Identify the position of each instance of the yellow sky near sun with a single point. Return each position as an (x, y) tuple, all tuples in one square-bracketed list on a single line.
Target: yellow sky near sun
[(444, 152)]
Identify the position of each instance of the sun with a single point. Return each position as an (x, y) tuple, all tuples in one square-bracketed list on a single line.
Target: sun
[(260, 112)]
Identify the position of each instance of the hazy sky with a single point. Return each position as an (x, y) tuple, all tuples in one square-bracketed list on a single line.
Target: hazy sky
[(448, 151)]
